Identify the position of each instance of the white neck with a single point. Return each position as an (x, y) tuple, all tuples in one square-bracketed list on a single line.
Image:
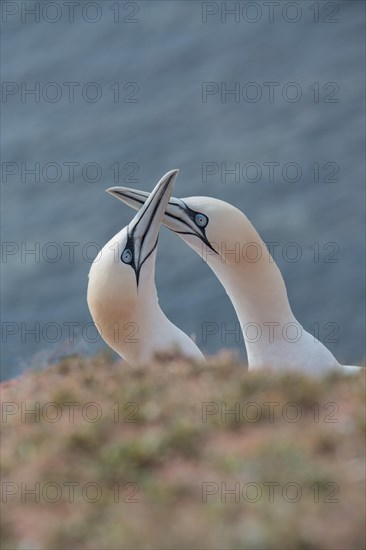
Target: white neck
[(134, 326), (272, 335)]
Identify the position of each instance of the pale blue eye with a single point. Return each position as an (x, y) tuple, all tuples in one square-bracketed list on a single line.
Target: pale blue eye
[(126, 256), (201, 220)]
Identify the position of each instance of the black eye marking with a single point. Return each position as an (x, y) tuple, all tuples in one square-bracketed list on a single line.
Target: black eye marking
[(197, 218), (126, 256), (201, 220)]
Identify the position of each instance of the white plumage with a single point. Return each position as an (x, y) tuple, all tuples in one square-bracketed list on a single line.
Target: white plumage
[(122, 295), (224, 237)]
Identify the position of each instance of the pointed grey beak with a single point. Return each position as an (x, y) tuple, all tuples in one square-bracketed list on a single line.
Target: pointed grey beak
[(178, 216), (143, 230)]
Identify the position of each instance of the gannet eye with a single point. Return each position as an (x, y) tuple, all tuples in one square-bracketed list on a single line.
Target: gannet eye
[(126, 256), (201, 220)]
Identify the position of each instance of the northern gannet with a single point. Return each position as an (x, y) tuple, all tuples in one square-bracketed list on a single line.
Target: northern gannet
[(122, 295), (224, 237)]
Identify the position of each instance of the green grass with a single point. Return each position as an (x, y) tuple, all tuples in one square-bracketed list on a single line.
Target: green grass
[(151, 450)]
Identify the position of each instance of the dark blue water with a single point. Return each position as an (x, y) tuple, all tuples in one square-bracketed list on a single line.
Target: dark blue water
[(140, 108)]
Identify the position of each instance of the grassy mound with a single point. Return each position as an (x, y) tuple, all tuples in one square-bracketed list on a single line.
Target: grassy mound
[(178, 455)]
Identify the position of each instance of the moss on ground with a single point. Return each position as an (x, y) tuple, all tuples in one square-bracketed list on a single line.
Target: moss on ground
[(181, 455)]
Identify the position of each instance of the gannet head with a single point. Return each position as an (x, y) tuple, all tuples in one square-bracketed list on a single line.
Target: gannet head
[(210, 226), (123, 272)]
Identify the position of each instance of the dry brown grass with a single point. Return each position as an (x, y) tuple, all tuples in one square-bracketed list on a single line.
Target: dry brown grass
[(151, 445)]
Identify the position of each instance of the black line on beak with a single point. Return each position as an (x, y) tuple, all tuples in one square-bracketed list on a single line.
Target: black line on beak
[(181, 204)]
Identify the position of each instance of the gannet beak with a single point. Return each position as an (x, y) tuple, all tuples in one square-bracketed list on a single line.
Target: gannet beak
[(143, 230), (178, 216)]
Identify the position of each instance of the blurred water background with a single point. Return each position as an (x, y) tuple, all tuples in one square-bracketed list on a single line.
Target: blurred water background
[(157, 55)]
